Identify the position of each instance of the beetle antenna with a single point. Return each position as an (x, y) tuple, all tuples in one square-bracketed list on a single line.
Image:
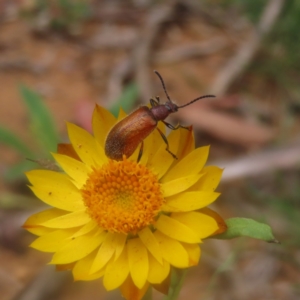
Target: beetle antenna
[(205, 96), (163, 84)]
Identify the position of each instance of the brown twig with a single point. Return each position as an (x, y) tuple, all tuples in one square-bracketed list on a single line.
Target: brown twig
[(237, 64), (140, 57), (189, 51), (142, 52), (228, 128), (262, 162), (116, 80)]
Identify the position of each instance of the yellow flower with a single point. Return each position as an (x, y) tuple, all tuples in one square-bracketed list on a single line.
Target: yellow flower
[(127, 222)]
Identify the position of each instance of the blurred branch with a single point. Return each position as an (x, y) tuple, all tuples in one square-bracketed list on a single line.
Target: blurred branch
[(116, 80), (262, 162), (184, 52), (142, 52), (140, 57), (237, 64), (228, 128), (112, 37)]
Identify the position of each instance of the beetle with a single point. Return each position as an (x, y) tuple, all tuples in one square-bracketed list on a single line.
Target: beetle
[(130, 132)]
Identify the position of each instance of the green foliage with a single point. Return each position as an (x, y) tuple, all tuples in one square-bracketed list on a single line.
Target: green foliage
[(251, 8), (62, 14), (278, 61), (42, 129), (127, 99), (42, 125), (282, 200), (10, 139), (238, 227), (286, 34), (177, 279)]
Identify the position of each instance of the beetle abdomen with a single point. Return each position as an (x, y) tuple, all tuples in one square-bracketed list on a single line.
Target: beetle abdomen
[(127, 134)]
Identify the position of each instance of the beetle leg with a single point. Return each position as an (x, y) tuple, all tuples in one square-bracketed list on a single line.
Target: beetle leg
[(141, 151), (174, 128), (154, 102), (166, 141)]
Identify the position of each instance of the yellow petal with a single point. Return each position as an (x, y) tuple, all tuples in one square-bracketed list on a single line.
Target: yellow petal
[(35, 220), (178, 185), (39, 230), (53, 241), (65, 267), (190, 164), (78, 248), (147, 150), (120, 240), (200, 223), (74, 219), (176, 230), (172, 251), (162, 160), (194, 253), (67, 149), (116, 272), (86, 229), (157, 141), (162, 128), (74, 168), (136, 153), (55, 189), (157, 272), (67, 199), (164, 286), (138, 261), (210, 180), (102, 122), (189, 201), (151, 243), (81, 270), (131, 292), (122, 114), (222, 227), (187, 142), (86, 146), (105, 252)]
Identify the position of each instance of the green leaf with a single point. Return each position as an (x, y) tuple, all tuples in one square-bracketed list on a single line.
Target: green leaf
[(177, 279), (14, 200), (126, 100), (41, 120), (10, 139), (238, 227)]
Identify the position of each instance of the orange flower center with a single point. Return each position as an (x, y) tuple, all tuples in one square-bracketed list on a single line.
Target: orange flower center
[(122, 196)]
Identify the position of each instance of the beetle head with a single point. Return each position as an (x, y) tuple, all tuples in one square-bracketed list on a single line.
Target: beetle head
[(170, 105)]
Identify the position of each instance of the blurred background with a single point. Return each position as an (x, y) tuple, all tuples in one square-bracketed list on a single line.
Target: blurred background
[(58, 58)]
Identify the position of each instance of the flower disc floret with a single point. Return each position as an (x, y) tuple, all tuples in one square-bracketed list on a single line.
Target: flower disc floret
[(122, 196)]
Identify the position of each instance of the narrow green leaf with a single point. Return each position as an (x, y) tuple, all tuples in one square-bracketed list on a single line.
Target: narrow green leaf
[(10, 139), (41, 120), (14, 200), (238, 227), (126, 100), (177, 279)]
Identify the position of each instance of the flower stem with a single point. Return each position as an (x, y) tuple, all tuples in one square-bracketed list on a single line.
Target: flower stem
[(148, 295), (177, 279)]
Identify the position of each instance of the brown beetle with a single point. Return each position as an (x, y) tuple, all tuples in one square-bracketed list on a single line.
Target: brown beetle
[(127, 134)]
